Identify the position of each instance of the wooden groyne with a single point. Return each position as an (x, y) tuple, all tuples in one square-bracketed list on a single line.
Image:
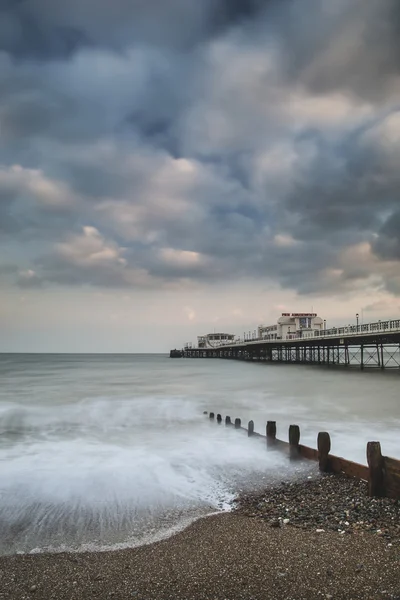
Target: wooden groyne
[(382, 472)]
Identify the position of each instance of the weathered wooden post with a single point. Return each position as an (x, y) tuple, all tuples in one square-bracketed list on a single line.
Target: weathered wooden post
[(294, 439), (324, 447), (219, 419), (376, 463), (271, 433), (228, 421), (238, 423), (250, 428), (212, 416)]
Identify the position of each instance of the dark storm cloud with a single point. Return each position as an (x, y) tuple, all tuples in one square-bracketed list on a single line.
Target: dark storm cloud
[(346, 189), (45, 30), (147, 142), (387, 245), (353, 46)]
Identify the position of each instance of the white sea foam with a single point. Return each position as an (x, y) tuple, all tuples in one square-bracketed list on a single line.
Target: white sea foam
[(102, 472)]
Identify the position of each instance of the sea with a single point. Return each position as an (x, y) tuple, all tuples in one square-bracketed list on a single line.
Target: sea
[(102, 452)]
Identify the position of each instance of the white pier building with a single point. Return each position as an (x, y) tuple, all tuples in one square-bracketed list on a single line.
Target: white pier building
[(213, 340), (291, 325)]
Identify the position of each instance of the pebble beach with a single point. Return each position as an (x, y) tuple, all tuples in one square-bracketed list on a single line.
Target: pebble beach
[(320, 538)]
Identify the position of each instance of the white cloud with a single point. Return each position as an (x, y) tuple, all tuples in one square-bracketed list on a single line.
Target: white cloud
[(36, 187), (181, 258), (91, 249), (284, 240)]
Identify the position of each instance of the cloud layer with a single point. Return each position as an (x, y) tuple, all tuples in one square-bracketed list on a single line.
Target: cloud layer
[(163, 144)]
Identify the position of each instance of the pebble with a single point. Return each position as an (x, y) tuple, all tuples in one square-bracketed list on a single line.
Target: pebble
[(326, 503), (275, 523)]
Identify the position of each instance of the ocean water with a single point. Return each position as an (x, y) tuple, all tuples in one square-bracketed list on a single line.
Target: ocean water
[(109, 451)]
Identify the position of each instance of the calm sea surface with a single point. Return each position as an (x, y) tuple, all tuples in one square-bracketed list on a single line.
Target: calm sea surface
[(100, 451)]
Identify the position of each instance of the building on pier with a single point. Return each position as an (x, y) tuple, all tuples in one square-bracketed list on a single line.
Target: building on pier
[(291, 325), (212, 340)]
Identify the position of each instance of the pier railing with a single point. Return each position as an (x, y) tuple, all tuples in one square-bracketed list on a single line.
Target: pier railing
[(382, 472)]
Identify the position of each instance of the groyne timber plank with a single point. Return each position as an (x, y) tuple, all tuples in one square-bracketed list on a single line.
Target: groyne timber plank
[(392, 465), (341, 465), (281, 444), (392, 477), (307, 452)]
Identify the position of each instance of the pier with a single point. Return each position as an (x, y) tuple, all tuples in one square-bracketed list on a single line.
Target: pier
[(373, 345)]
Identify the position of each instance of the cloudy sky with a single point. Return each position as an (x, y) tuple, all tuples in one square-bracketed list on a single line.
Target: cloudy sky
[(168, 167)]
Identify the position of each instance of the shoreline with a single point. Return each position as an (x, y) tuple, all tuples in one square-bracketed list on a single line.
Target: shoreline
[(253, 552)]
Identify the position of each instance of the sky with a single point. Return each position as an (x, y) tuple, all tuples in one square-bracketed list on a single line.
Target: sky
[(170, 168)]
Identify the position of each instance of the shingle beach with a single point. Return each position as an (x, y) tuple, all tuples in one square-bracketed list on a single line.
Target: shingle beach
[(319, 539)]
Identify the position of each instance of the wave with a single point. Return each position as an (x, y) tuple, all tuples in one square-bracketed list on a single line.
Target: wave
[(103, 472)]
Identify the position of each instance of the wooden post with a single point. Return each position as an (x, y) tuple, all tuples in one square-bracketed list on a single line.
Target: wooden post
[(271, 433), (228, 421), (219, 419), (212, 416), (238, 423), (250, 429), (294, 439), (324, 447), (376, 481)]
